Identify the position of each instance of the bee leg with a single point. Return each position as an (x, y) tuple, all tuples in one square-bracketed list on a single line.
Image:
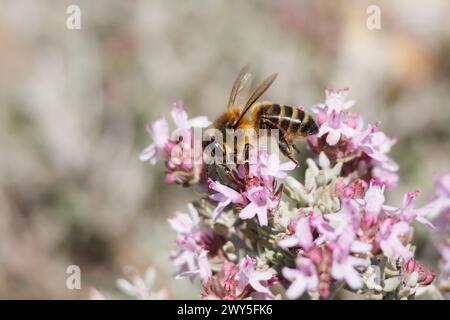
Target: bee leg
[(282, 143), (247, 156), (293, 159), (232, 176), (286, 150), (295, 148)]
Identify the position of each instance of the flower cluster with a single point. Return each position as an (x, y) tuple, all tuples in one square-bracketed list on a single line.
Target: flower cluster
[(191, 258), (258, 232), (184, 166), (239, 281), (257, 192), (340, 245), (342, 137)]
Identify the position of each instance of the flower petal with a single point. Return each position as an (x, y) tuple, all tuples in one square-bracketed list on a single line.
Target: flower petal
[(179, 116), (333, 137), (288, 242), (249, 211), (296, 289), (150, 154)]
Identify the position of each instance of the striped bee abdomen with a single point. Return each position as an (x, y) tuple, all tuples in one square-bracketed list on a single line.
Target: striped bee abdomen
[(291, 121)]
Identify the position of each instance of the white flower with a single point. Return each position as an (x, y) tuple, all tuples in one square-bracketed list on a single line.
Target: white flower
[(335, 101), (159, 131)]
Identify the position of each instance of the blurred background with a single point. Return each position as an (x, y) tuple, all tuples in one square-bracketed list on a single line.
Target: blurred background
[(73, 104)]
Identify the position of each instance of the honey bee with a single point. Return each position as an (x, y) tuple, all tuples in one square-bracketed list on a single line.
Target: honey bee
[(292, 122)]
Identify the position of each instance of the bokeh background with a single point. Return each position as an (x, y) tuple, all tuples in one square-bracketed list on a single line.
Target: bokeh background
[(73, 104)]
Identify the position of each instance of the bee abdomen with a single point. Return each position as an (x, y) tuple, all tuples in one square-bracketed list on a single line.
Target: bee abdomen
[(290, 120)]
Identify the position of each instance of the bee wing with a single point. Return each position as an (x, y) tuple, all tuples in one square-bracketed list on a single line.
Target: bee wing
[(258, 92), (244, 91), (242, 81)]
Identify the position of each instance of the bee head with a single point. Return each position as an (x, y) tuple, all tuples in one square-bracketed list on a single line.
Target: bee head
[(232, 119), (228, 119)]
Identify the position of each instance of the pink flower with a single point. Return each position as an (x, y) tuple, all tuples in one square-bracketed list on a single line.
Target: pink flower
[(304, 278), (222, 285), (374, 200), (376, 145), (409, 213), (261, 200), (159, 131), (425, 276), (351, 210), (380, 145), (335, 101), (239, 282), (384, 177), (180, 150), (441, 200), (258, 280), (344, 264), (322, 114), (185, 259), (185, 224), (333, 118), (346, 221), (388, 238), (354, 120), (204, 270), (335, 127), (360, 149), (181, 120), (225, 195), (357, 189), (269, 165), (325, 230), (302, 236), (191, 260)]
